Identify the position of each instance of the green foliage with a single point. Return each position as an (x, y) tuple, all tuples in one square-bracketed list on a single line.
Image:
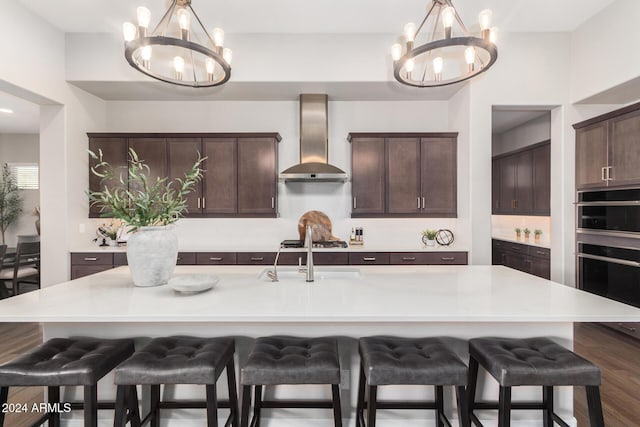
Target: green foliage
[(518, 230), (138, 200), (430, 234), (10, 200), (537, 232), (527, 231)]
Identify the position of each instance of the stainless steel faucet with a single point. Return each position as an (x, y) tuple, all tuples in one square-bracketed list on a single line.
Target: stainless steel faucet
[(309, 244), (273, 274)]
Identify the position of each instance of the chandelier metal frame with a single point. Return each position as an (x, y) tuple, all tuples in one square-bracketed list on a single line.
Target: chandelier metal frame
[(411, 52), (158, 37)]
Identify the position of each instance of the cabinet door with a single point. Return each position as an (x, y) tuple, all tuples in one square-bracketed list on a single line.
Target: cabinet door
[(403, 175), (495, 187), (367, 176), (542, 180), (438, 157), (219, 186), (183, 153), (507, 181), (524, 182), (517, 261), (153, 151), (257, 176), (540, 267), (114, 151), (591, 156), (624, 150)]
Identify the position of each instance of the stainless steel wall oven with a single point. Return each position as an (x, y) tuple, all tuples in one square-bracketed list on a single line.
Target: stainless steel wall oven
[(613, 213)]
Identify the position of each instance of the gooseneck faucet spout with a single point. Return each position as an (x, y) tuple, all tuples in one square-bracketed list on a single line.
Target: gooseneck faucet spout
[(309, 244)]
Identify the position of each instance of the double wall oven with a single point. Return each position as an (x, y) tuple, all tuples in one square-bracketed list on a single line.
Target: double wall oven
[(608, 246)]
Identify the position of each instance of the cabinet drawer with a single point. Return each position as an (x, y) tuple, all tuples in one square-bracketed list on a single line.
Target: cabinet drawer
[(78, 271), (256, 258), (629, 328), (446, 258), (186, 258), (544, 253), (319, 258), (215, 258), (120, 258), (365, 258), (92, 258), (408, 258), (517, 248)]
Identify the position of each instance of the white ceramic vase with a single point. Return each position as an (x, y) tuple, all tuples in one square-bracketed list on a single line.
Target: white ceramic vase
[(152, 253)]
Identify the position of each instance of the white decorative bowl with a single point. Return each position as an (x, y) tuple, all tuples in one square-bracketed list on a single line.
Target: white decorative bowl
[(193, 283)]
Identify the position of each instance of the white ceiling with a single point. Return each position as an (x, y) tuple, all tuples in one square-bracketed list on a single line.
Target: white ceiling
[(25, 117), (326, 16)]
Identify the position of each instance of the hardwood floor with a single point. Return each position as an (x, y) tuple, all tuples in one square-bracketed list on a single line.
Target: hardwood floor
[(615, 353), (617, 356), (15, 339)]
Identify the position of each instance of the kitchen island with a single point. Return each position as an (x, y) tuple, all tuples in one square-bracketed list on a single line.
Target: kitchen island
[(456, 301)]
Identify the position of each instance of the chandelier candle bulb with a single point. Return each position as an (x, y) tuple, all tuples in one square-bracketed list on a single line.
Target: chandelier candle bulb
[(184, 21), (144, 17), (129, 31), (210, 68), (438, 64), (409, 65), (396, 51), (493, 35), (218, 37), (470, 58), (227, 54), (448, 16), (178, 64), (146, 56), (485, 23)]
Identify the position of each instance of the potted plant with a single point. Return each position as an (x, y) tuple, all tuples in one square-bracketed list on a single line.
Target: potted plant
[(518, 231), (429, 237), (536, 235), (148, 208), (527, 233), (109, 233), (10, 201)]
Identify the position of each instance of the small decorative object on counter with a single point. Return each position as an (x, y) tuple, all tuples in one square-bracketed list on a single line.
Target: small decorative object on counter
[(429, 237), (109, 233), (527, 233), (356, 236), (518, 232), (147, 206), (536, 235), (444, 237)]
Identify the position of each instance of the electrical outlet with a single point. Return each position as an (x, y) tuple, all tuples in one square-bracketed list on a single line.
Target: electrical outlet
[(82, 228), (345, 379)]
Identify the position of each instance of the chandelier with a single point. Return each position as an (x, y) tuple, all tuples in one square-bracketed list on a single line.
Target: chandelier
[(444, 57), (176, 51)]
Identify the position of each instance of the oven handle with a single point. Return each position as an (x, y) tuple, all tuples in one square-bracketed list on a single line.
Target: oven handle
[(613, 260), (611, 203)]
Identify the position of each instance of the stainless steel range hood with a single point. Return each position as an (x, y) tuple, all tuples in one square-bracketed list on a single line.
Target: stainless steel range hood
[(314, 144)]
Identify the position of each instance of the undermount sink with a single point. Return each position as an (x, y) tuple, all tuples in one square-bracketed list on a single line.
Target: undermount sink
[(320, 273)]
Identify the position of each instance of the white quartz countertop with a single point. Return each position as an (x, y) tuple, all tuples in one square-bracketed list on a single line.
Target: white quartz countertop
[(380, 294), (274, 248)]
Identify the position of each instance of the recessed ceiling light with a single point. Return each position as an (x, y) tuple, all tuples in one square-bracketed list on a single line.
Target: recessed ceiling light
[(6, 111)]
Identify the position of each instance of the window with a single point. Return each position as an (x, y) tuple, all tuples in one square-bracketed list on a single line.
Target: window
[(26, 175)]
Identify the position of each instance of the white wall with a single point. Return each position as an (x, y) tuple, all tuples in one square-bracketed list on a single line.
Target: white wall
[(529, 133), (21, 148)]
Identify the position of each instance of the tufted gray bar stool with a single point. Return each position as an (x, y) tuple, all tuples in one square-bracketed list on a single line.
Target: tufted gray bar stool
[(66, 362), (388, 360), (177, 360), (531, 362), (282, 360)]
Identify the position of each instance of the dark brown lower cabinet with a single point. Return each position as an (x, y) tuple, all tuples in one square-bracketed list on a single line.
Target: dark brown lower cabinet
[(529, 259), (319, 258)]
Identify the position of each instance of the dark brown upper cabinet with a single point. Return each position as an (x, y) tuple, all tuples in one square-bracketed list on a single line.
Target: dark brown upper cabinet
[(114, 151), (240, 170), (521, 181), (608, 149), (403, 174)]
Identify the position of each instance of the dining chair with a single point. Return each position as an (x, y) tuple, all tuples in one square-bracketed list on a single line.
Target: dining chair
[(26, 267)]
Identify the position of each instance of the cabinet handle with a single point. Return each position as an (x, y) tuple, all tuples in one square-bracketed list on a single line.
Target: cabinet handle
[(541, 253), (215, 258), (273, 203), (198, 202), (418, 202), (203, 203), (369, 258), (355, 205), (423, 203), (515, 248), (602, 174), (448, 258), (90, 259), (257, 258), (408, 258), (609, 173), (627, 328)]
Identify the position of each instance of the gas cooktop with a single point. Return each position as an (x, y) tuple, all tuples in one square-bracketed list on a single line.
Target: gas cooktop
[(319, 244)]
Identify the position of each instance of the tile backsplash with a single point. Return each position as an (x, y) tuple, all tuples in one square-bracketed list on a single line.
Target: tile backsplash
[(503, 226)]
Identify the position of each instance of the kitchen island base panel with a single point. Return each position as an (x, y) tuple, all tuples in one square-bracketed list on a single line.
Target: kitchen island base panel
[(348, 333)]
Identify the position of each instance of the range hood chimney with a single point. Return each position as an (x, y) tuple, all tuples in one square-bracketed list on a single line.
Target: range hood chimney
[(314, 144)]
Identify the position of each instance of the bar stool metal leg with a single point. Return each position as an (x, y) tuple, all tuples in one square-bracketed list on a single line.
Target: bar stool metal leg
[(371, 408), (246, 404), (53, 396), (212, 406), (595, 406), (439, 406), (547, 402), (233, 394), (504, 404), (134, 411), (257, 404), (360, 403), (155, 405), (471, 390), (337, 410), (463, 407), (121, 406), (91, 405)]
